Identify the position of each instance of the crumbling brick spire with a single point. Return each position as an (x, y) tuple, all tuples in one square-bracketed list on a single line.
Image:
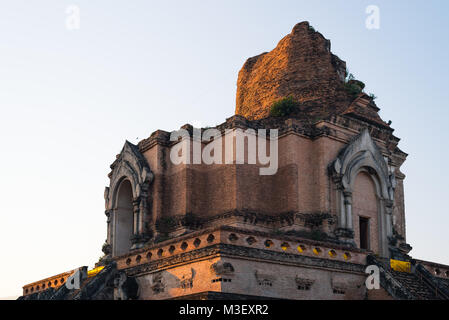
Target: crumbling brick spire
[(301, 65)]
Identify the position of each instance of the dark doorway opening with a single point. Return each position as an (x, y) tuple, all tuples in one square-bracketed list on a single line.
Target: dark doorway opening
[(364, 232)]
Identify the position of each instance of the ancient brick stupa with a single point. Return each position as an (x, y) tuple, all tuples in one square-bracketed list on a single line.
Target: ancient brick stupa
[(211, 231), (302, 66)]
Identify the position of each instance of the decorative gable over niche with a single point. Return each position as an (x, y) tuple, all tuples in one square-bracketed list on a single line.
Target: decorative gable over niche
[(363, 155), (130, 164), (362, 152)]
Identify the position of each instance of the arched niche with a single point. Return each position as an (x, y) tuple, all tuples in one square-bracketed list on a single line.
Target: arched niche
[(124, 219), (362, 156), (130, 178)]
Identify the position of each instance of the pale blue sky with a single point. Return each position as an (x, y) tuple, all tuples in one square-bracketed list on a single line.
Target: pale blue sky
[(69, 99)]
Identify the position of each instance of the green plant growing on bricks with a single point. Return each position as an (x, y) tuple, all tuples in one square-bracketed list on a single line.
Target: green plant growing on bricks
[(353, 86), (284, 107)]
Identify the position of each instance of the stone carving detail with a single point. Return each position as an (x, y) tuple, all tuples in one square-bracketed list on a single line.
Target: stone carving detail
[(106, 248), (264, 279), (339, 286), (225, 250), (362, 151), (126, 288), (131, 165), (186, 281), (158, 285), (344, 233), (393, 183), (303, 283), (221, 268), (363, 154), (106, 197)]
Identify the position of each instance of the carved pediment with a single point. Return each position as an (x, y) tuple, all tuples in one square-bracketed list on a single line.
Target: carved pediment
[(362, 151), (132, 165)]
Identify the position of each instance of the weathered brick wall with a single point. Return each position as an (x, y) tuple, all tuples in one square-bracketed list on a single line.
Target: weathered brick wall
[(302, 183), (239, 266), (301, 65)]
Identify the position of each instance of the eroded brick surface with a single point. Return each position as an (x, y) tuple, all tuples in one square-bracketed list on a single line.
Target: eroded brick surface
[(301, 65)]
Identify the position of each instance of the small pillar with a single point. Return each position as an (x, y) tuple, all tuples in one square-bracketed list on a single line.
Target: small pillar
[(348, 209)]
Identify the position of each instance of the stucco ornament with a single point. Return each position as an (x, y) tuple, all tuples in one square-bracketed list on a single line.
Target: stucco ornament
[(362, 154), (263, 278), (220, 268), (186, 281), (106, 197), (158, 284), (125, 288), (131, 165)]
